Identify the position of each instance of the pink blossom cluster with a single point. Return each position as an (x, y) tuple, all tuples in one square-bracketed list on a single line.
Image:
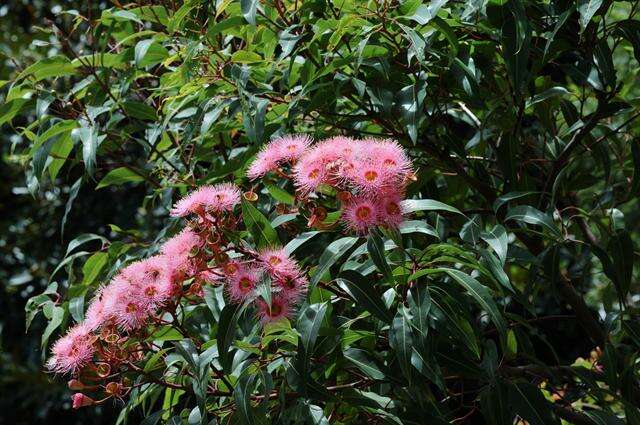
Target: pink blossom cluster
[(370, 175), (367, 178), (128, 302), (141, 293), (273, 268)]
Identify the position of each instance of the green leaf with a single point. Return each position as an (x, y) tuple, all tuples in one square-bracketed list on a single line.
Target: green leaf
[(375, 246), (10, 109), (242, 396), (470, 231), (76, 308), (73, 193), (90, 142), (364, 293), (309, 322), (249, 8), (55, 320), (119, 176), (401, 341), (55, 66), (516, 39), (498, 240), (331, 254), (244, 56), (559, 24), (446, 30), (93, 266), (529, 403), (482, 295), (299, 240), (425, 13), (155, 54), (413, 205), (500, 201), (227, 332), (419, 302), (258, 225), (140, 110), (83, 239), (280, 195), (60, 150), (622, 249), (547, 94), (630, 30), (417, 226), (531, 215), (586, 9), (360, 358)]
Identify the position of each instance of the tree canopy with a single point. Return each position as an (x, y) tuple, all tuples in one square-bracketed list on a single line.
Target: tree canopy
[(507, 292)]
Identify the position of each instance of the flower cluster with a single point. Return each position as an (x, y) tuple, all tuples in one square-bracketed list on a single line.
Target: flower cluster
[(143, 294), (368, 178), (370, 175)]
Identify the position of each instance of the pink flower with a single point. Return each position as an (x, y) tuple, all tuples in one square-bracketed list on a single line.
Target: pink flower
[(218, 198), (390, 211), (178, 250), (278, 151), (241, 284), (73, 351), (391, 157), (231, 267), (96, 315), (293, 146), (80, 400), (292, 286), (328, 162), (369, 178), (211, 276), (151, 279), (277, 261), (360, 215), (133, 313), (280, 308), (309, 173), (181, 244)]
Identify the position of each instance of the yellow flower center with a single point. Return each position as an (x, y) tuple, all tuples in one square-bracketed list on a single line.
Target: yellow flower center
[(276, 309), (245, 283), (393, 208), (370, 176), (363, 212)]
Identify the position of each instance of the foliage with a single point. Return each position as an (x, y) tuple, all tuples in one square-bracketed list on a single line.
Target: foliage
[(513, 294)]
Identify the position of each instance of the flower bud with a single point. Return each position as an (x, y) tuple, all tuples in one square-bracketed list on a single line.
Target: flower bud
[(80, 400), (76, 385), (113, 389), (103, 370), (344, 196), (250, 196)]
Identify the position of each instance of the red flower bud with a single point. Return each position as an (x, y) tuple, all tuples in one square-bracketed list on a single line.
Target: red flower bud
[(81, 400)]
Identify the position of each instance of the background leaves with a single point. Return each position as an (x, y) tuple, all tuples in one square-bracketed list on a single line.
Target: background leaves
[(520, 117)]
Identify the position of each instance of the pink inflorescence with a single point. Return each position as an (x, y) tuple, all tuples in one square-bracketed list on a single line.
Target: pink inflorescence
[(369, 176), (373, 172), (277, 152), (222, 197), (274, 267), (72, 351), (141, 293)]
